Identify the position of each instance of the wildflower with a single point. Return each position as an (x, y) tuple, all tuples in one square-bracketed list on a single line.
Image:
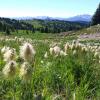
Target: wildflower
[(78, 46), (72, 46), (27, 52), (9, 55), (42, 61), (16, 38), (56, 50), (62, 53), (74, 42), (66, 47), (4, 49), (74, 52), (51, 51), (84, 49), (46, 55), (57, 97), (9, 70), (53, 44), (96, 54), (26, 71)]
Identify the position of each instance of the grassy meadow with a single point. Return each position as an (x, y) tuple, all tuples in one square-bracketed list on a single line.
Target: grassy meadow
[(61, 68)]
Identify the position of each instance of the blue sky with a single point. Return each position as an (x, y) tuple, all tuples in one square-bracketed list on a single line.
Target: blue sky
[(52, 8)]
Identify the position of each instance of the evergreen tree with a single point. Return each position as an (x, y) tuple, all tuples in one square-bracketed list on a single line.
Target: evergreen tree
[(1, 26), (33, 30), (42, 30), (7, 31), (4, 28), (46, 30), (96, 17), (27, 32)]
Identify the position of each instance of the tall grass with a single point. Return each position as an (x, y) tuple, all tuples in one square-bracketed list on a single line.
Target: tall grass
[(71, 77)]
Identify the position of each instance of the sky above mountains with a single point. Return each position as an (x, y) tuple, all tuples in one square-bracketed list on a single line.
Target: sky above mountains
[(52, 8)]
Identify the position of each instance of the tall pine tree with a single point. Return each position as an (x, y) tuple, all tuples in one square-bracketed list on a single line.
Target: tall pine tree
[(96, 17)]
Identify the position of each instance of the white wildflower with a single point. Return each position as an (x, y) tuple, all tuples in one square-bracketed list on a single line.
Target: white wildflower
[(51, 51), (56, 50), (72, 46), (42, 61), (84, 49), (4, 49), (9, 55), (9, 70), (27, 52), (66, 47), (62, 53), (26, 71), (96, 54), (74, 52), (46, 55)]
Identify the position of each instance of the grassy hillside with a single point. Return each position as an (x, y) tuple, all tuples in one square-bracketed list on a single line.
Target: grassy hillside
[(90, 30), (43, 26), (56, 26)]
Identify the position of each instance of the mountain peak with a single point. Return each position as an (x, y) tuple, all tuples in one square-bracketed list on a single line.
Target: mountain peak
[(84, 17)]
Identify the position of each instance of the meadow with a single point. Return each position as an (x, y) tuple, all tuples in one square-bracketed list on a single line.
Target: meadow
[(43, 66)]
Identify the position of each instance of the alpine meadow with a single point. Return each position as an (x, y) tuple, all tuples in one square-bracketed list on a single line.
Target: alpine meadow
[(49, 53)]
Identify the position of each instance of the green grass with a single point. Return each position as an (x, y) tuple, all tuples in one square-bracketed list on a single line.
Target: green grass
[(60, 76), (89, 30)]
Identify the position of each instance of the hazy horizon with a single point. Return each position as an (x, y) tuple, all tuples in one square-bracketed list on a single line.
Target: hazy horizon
[(50, 8)]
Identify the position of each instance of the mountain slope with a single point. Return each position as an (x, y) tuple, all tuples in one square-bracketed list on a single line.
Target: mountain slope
[(56, 26), (86, 18), (44, 26), (12, 24)]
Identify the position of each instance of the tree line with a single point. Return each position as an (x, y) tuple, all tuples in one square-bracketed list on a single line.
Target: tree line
[(8, 25), (56, 26)]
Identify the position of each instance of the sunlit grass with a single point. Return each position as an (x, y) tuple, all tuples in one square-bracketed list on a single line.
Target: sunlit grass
[(63, 77)]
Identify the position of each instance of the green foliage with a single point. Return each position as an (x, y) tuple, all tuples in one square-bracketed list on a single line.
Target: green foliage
[(55, 26), (43, 26), (55, 77), (7, 32), (96, 17), (12, 25)]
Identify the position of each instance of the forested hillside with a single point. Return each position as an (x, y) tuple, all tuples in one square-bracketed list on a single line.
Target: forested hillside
[(43, 26), (55, 26), (7, 24)]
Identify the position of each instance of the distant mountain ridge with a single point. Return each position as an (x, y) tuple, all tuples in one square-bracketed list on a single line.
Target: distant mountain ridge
[(78, 18), (86, 18)]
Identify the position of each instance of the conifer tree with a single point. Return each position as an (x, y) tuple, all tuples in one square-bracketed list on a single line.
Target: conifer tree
[(96, 17)]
